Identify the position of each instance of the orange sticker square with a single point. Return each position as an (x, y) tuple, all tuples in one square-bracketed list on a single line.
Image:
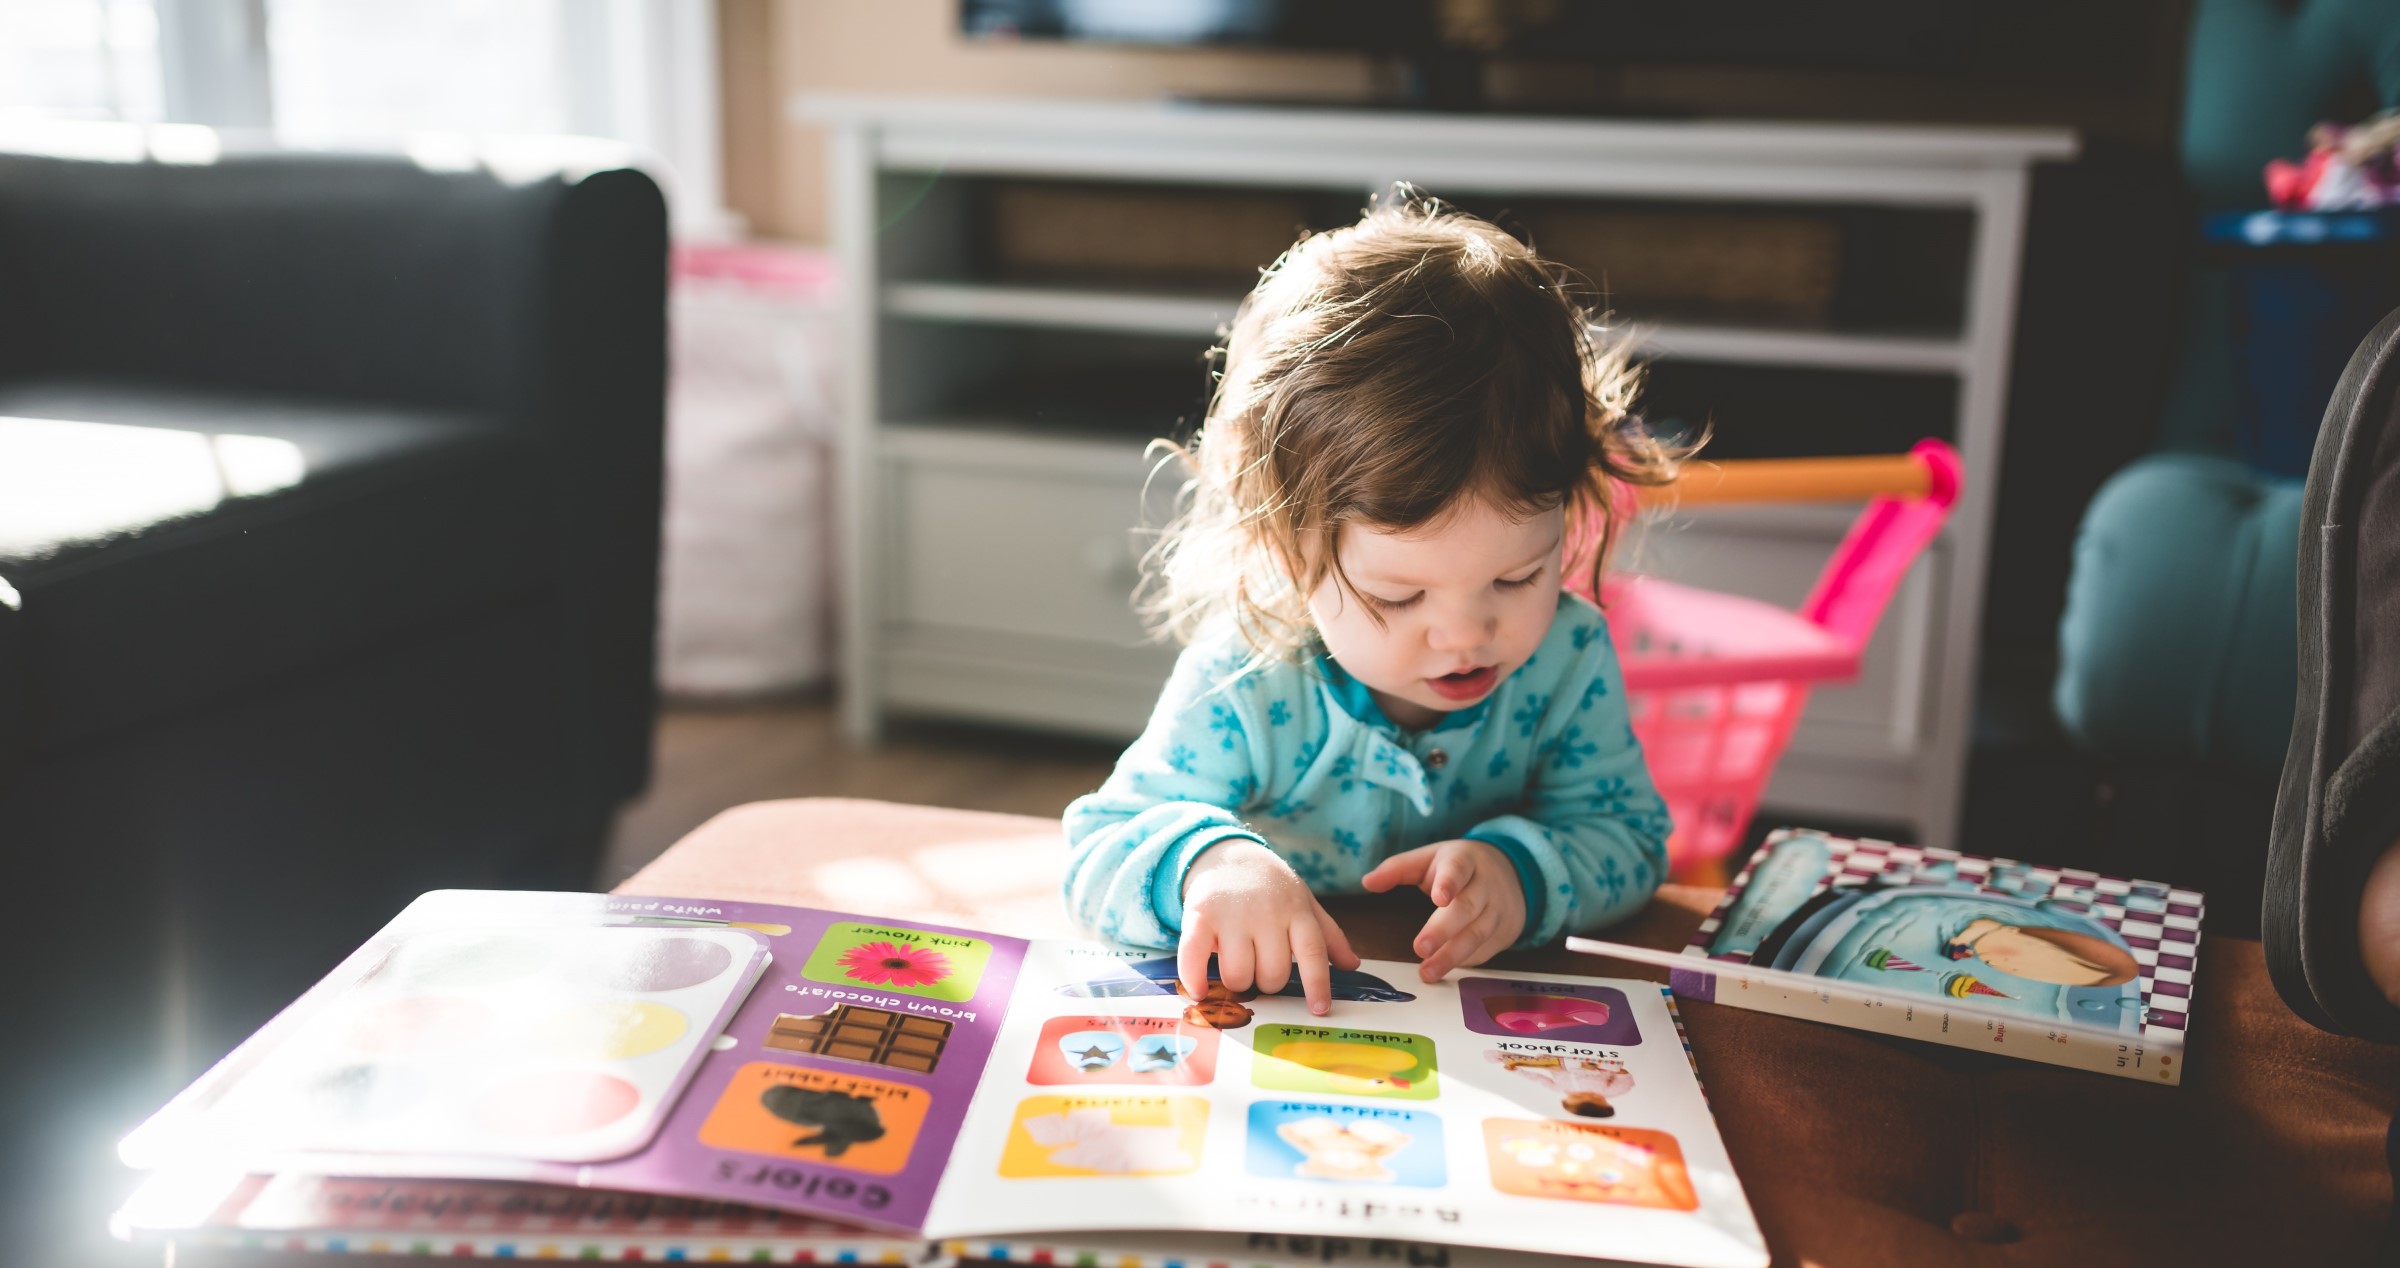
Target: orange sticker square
[(1586, 1162), (841, 1120), (1105, 1134)]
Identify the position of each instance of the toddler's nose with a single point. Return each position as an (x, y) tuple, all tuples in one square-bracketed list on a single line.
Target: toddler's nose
[(1462, 630)]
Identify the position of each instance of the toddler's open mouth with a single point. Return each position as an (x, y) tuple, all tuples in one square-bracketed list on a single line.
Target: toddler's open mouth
[(1466, 684)]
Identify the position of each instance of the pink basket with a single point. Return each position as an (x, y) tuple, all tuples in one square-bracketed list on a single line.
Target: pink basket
[(1715, 682)]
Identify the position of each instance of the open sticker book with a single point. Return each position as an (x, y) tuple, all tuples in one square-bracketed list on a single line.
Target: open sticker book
[(943, 1083)]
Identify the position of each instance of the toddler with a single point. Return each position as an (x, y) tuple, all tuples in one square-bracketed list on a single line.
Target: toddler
[(1411, 443)]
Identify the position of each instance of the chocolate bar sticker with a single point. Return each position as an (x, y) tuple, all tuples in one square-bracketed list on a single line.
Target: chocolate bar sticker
[(855, 1032)]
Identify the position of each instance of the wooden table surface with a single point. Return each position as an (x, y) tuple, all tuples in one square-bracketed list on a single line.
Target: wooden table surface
[(1854, 1149)]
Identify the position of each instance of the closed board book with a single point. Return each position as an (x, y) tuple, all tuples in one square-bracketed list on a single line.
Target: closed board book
[(944, 1086), (2050, 964)]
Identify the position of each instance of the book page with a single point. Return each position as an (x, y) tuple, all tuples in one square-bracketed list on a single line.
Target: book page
[(1516, 1111), (835, 1087)]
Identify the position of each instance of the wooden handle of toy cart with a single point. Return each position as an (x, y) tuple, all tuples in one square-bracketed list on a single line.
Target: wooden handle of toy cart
[(1906, 475)]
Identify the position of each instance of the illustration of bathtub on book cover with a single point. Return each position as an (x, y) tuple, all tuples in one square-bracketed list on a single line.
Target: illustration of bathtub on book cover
[(2050, 964)]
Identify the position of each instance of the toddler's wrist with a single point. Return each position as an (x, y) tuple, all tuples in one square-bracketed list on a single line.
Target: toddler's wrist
[(1225, 855)]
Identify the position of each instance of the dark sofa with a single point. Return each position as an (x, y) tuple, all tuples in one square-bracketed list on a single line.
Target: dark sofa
[(329, 494)]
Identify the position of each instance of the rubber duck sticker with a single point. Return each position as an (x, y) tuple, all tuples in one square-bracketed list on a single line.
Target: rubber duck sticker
[(1348, 1062), (1361, 1069), (1587, 1087)]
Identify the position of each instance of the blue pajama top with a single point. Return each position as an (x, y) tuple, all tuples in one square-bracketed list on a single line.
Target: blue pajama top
[(1297, 756)]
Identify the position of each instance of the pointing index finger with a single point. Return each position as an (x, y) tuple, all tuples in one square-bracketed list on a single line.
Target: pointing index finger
[(1316, 976), (1191, 958)]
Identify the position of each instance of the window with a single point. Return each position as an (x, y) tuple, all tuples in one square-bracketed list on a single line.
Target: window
[(80, 59), (347, 71), (342, 68)]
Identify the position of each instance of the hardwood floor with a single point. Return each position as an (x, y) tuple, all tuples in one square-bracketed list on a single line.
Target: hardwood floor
[(710, 757)]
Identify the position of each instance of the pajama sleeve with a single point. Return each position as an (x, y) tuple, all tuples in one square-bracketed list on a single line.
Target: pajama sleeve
[(1593, 828), (1181, 788)]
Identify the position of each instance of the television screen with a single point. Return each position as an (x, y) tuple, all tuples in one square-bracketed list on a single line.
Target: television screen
[(2022, 39)]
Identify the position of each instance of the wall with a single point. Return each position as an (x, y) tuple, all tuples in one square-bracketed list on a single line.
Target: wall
[(775, 49)]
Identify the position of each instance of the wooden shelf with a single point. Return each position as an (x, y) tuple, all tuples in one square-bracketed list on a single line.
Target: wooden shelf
[(1200, 316), (1181, 316), (993, 459)]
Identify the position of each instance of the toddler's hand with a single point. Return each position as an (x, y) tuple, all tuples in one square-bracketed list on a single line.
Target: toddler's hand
[(1245, 904), (1482, 903)]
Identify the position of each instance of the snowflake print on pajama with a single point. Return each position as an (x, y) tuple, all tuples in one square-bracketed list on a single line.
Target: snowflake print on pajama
[(1298, 756)]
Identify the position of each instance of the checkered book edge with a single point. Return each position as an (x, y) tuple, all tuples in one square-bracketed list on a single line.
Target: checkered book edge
[(1684, 1037), (2159, 923)]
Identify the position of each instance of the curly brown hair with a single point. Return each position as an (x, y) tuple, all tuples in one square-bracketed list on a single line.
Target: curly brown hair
[(1379, 373)]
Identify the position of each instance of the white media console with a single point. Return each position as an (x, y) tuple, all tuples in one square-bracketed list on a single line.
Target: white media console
[(989, 548)]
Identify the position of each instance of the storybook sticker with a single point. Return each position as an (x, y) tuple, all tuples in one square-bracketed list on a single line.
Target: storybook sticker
[(1351, 1062), (1578, 1081), (1105, 1135), (840, 1120), (946, 966), (1080, 1050), (1586, 1162), (1570, 1011), (1345, 1144)]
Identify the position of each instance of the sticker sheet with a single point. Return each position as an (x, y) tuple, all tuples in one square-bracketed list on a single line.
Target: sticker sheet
[(1515, 1111), (833, 1086)]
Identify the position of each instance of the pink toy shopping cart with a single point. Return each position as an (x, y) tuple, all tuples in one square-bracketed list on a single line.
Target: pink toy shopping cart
[(1715, 682)]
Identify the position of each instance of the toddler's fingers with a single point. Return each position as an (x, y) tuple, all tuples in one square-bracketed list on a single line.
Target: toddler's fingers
[(1191, 955), (1452, 872), (1274, 959), (1445, 924), (1316, 976), (1457, 950), (1494, 942), (1405, 868), (1234, 961), (1337, 943)]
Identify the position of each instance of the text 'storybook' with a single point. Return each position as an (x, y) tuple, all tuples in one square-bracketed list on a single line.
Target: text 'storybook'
[(2050, 964), (947, 1084)]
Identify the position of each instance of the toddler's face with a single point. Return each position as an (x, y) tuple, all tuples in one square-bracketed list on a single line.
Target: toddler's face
[(1463, 601)]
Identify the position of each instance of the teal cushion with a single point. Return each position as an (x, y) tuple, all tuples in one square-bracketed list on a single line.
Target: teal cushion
[(2260, 72), (2179, 641)]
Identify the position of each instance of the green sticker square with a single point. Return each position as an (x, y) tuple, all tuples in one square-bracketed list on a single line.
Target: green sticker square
[(1346, 1062), (898, 959)]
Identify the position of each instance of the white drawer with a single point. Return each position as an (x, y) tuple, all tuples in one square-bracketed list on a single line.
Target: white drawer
[(1028, 536)]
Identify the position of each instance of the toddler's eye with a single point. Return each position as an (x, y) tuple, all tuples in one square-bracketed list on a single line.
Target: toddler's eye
[(1513, 583), (1392, 605)]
